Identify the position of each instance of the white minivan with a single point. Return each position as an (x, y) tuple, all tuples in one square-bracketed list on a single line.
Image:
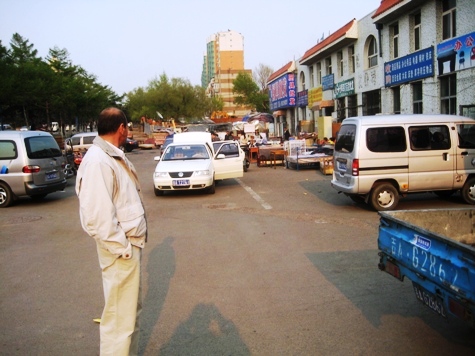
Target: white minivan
[(80, 142), (379, 159)]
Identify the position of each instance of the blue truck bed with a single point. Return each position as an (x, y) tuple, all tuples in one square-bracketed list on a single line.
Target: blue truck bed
[(435, 250)]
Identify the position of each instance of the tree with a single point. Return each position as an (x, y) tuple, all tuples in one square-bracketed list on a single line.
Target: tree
[(261, 74), (173, 98), (33, 90), (248, 93)]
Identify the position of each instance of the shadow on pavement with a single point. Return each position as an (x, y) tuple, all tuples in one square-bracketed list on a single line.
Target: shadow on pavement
[(377, 294), (160, 268), (206, 332)]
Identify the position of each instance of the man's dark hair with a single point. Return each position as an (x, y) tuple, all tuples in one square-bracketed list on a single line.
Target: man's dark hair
[(110, 120)]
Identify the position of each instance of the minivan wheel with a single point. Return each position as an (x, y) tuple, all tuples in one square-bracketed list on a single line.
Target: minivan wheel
[(468, 191), (384, 196), (6, 195)]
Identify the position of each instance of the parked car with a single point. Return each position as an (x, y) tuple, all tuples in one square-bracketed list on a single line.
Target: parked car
[(81, 141), (31, 164), (168, 140), (130, 145), (191, 162), (70, 128)]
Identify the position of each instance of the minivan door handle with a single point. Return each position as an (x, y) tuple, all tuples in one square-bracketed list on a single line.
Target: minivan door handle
[(445, 156), (465, 153)]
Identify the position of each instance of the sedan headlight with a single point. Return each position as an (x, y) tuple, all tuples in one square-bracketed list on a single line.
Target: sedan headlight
[(161, 174), (202, 173)]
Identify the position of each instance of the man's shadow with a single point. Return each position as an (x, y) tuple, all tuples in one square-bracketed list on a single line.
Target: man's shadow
[(160, 269), (206, 332)]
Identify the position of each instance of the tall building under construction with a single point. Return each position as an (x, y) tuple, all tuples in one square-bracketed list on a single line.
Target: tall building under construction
[(223, 61)]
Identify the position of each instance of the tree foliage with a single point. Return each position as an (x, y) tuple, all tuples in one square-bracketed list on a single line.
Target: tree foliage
[(172, 98), (36, 91), (248, 93)]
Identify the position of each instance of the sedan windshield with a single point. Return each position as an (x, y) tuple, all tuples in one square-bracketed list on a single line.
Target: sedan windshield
[(185, 152)]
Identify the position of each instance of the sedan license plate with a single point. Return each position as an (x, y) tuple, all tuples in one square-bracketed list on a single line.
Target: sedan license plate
[(181, 182), (430, 300), (51, 175)]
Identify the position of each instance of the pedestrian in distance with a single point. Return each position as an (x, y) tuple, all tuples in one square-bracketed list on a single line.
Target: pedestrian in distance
[(112, 212), (286, 135)]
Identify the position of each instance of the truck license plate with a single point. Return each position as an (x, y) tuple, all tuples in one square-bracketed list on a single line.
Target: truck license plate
[(433, 302), (51, 175), (181, 182)]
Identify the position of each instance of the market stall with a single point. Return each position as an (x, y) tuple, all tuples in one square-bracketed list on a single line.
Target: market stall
[(299, 155)]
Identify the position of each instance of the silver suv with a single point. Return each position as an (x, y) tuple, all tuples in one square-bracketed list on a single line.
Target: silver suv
[(31, 164)]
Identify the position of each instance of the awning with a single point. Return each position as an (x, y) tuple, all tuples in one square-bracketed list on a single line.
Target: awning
[(318, 105)]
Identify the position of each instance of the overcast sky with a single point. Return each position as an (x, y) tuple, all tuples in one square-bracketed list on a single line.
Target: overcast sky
[(127, 43)]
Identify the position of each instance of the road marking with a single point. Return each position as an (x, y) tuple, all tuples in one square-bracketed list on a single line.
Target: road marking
[(254, 195)]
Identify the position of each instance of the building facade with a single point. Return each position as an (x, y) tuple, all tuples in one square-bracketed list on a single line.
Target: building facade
[(406, 56), (223, 61)]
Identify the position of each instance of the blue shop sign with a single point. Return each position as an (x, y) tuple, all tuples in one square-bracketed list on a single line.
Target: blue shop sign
[(414, 66), (328, 82), (283, 92), (456, 54), (302, 98)]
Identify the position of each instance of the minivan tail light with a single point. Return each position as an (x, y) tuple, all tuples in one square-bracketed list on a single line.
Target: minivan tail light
[(31, 169), (355, 167)]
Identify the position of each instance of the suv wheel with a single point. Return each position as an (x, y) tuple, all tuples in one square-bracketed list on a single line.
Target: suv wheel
[(6, 195)]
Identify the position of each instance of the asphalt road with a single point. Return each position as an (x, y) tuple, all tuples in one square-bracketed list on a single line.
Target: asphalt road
[(274, 263)]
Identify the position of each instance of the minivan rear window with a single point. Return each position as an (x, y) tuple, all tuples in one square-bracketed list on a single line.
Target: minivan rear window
[(386, 139), (345, 140), (42, 147)]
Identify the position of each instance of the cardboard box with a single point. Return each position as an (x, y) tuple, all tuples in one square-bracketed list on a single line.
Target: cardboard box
[(326, 166)]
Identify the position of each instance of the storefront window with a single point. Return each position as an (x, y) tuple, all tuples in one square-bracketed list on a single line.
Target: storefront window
[(417, 98), (352, 106), (397, 100), (372, 102), (340, 109), (448, 95)]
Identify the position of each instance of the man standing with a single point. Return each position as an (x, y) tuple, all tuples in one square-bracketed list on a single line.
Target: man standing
[(112, 212)]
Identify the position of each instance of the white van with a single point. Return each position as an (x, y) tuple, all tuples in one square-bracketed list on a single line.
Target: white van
[(80, 142), (378, 159), (31, 164)]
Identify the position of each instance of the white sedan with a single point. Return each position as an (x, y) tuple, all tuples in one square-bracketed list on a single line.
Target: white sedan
[(196, 165)]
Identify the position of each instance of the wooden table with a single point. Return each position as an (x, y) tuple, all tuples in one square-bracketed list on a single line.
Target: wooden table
[(275, 153)]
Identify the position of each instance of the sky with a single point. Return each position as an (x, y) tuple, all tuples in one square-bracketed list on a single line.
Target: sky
[(128, 43)]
